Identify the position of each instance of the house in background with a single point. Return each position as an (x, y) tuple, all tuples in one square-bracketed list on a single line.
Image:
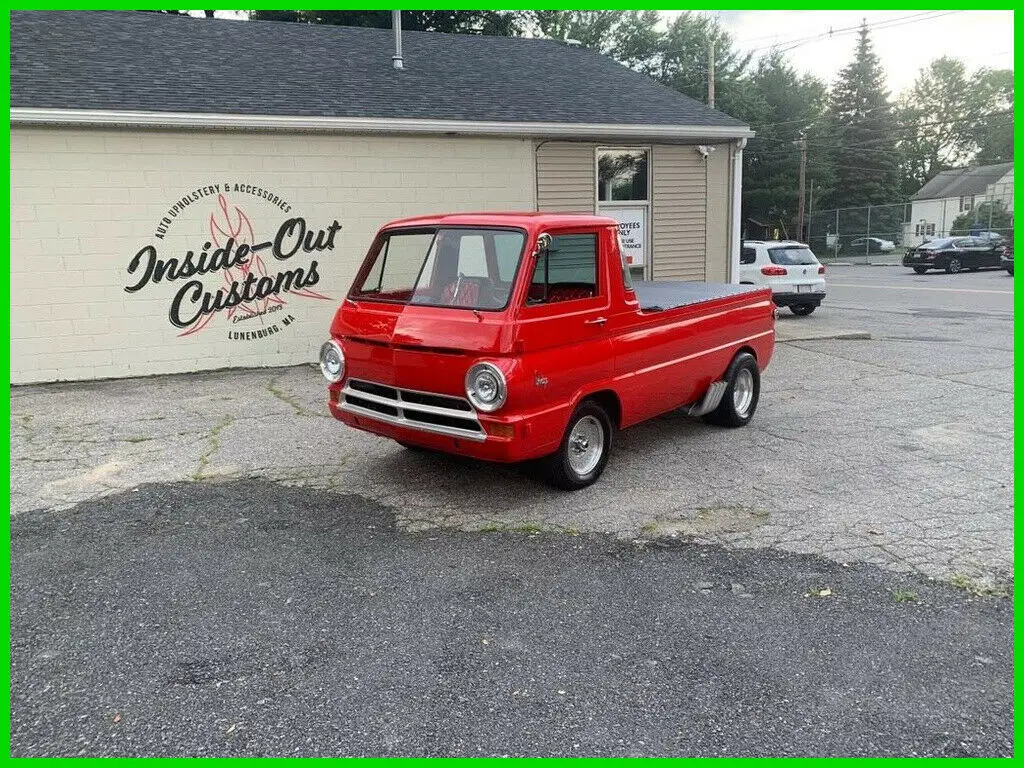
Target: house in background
[(937, 204)]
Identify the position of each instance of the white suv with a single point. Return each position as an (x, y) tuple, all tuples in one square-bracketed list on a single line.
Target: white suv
[(789, 268)]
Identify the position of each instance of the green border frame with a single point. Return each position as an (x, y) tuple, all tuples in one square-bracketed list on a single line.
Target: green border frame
[(259, 4)]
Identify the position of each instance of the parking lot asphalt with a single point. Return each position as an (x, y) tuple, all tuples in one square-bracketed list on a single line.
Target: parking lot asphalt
[(209, 564), (894, 450), (247, 618)]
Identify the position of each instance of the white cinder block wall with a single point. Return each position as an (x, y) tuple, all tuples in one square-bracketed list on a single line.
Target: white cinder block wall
[(84, 202)]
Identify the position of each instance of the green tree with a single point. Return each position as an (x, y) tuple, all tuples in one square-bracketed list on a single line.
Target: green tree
[(993, 132), (991, 215), (593, 29), (793, 105), (938, 116), (863, 128), (485, 22)]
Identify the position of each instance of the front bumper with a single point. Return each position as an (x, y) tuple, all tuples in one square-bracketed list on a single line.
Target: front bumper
[(791, 299), (506, 438)]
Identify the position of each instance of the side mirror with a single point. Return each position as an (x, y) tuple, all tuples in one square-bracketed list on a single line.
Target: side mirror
[(543, 242)]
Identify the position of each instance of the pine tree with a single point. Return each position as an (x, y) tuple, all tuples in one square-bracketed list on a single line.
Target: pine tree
[(864, 131)]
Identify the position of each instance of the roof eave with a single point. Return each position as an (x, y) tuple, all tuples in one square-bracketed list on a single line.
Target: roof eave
[(316, 124)]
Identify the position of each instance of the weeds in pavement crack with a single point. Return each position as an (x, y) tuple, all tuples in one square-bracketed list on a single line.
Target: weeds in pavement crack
[(288, 399), (214, 445)]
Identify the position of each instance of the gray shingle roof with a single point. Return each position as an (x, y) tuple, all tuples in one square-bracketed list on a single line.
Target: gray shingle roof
[(109, 60), (961, 182)]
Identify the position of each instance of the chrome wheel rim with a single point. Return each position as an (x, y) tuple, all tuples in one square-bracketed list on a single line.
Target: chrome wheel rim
[(954, 265), (743, 392), (586, 445)]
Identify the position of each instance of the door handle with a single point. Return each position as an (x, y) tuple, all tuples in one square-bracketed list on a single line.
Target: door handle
[(596, 321)]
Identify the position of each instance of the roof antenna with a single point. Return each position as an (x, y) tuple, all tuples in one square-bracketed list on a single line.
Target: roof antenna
[(396, 24)]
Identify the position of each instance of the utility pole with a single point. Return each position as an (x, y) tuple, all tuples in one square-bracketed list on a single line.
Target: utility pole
[(711, 73), (803, 174), (810, 210)]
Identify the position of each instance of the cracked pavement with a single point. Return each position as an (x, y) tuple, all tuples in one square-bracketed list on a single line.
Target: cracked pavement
[(895, 451)]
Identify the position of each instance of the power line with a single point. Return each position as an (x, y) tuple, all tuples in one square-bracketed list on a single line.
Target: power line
[(899, 21)]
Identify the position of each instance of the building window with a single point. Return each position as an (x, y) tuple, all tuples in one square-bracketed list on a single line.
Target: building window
[(966, 203), (621, 175)]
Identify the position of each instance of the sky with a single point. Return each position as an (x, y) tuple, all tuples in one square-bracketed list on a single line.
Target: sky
[(905, 41)]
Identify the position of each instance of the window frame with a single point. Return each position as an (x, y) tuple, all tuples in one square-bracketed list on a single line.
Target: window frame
[(598, 282), (648, 152), (433, 229)]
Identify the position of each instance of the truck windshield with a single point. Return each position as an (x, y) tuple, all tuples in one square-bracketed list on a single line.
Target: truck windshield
[(792, 254), (443, 267)]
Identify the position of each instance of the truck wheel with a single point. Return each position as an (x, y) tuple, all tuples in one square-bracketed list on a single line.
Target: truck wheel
[(802, 309), (583, 454), (920, 270), (741, 395)]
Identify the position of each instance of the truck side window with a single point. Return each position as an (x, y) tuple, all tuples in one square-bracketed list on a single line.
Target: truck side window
[(748, 256), (566, 271)]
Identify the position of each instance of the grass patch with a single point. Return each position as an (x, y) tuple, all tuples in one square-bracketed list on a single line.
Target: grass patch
[(904, 596), (978, 588)]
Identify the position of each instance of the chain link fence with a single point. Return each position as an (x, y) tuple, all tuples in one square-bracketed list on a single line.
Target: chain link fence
[(883, 233)]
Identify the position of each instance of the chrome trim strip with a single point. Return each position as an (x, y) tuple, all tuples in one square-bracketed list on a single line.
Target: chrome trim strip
[(402, 406), (401, 421)]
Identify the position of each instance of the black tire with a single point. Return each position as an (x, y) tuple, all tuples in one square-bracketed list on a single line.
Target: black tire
[(954, 266), (803, 309), (732, 411), (559, 469), (920, 270), (1009, 271)]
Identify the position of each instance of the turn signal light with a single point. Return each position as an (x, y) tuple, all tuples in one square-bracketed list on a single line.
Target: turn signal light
[(501, 430), (821, 270), (774, 271)]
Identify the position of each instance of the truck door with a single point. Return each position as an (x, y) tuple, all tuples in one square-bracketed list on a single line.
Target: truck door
[(563, 327)]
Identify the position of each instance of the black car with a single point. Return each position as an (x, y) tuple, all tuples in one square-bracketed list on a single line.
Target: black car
[(955, 254)]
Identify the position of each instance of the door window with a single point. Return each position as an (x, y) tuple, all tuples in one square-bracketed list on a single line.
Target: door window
[(748, 256), (566, 271)]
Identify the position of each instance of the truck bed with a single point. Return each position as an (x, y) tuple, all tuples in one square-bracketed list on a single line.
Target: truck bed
[(662, 296)]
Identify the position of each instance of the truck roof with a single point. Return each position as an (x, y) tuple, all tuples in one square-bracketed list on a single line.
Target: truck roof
[(526, 219)]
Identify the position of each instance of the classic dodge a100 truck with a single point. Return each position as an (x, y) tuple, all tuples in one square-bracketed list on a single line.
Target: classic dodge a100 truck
[(509, 337)]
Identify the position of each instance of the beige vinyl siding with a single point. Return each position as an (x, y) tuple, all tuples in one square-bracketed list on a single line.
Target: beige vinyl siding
[(678, 212), (719, 214), (566, 181)]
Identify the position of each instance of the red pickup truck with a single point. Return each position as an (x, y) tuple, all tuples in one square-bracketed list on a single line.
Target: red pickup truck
[(515, 336)]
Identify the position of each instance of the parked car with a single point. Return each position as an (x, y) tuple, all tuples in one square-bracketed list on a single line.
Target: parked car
[(871, 245), (509, 337), (954, 254), (1006, 259), (789, 268)]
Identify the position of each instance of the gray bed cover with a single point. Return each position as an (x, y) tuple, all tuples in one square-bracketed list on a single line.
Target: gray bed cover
[(661, 296)]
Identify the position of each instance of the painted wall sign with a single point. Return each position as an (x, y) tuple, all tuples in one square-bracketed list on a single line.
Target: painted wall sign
[(632, 232), (248, 277)]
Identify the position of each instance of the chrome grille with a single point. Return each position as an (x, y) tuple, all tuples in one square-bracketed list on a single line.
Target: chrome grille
[(427, 411)]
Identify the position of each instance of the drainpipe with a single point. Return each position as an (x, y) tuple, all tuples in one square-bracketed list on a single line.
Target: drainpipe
[(396, 24), (737, 205)]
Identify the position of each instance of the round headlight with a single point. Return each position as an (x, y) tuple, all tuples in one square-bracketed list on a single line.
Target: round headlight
[(485, 387), (332, 361)]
